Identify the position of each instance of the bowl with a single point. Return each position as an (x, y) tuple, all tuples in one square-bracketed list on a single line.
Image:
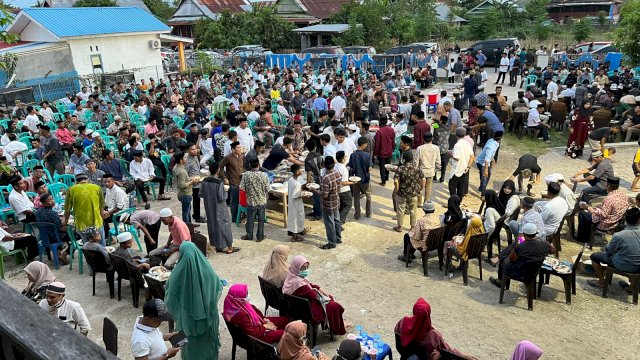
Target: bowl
[(355, 179)]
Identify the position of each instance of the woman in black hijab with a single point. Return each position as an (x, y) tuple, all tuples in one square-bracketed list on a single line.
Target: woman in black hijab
[(349, 350), (500, 205), (453, 213)]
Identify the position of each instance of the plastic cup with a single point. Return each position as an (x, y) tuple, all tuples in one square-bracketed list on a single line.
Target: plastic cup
[(364, 335), (359, 329)]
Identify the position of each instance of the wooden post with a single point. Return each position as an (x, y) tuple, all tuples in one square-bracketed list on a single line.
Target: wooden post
[(183, 65)]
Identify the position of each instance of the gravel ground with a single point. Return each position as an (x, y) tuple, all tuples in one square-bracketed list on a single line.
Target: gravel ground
[(376, 290)]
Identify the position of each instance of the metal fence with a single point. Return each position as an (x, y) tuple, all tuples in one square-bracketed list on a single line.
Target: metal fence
[(47, 88)]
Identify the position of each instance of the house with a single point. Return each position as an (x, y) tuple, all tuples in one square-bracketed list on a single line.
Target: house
[(190, 11), (486, 5), (561, 10), (84, 43), (307, 12), (320, 34), (442, 13), (22, 4)]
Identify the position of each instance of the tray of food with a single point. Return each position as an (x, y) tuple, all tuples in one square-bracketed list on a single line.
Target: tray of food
[(562, 268), (313, 186), (160, 272), (355, 179)]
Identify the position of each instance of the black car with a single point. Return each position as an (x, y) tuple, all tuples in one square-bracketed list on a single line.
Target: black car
[(357, 50), (488, 48)]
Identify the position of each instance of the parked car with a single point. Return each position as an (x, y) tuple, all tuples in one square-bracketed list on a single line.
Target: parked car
[(167, 52), (416, 47), (596, 48), (192, 59), (357, 50), (247, 47), (488, 47), (335, 50)]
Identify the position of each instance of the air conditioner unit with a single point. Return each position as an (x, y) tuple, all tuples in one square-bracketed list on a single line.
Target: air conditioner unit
[(154, 44)]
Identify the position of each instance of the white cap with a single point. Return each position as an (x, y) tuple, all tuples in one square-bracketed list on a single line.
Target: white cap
[(353, 127), (550, 179), (394, 90), (533, 104), (95, 135), (166, 212), (88, 132), (559, 177), (456, 91), (124, 237), (117, 117)]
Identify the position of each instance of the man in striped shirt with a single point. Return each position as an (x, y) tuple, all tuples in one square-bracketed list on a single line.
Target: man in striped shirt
[(329, 193)]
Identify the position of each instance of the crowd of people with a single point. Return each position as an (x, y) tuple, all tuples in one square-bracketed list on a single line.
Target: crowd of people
[(227, 137)]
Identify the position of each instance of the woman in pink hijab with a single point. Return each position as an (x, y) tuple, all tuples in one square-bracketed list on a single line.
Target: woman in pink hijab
[(239, 311), (526, 350), (323, 307)]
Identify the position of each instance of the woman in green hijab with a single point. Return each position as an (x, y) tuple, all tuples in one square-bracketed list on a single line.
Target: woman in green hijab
[(192, 297)]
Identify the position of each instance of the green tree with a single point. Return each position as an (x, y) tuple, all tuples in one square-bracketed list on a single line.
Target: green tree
[(94, 3), (582, 30), (352, 37), (627, 35), (602, 18), (161, 9), (6, 18)]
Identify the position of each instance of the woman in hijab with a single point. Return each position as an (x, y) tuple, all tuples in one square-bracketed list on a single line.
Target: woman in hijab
[(293, 345), (581, 125), (238, 310), (192, 297), (275, 270), (323, 308), (349, 350), (502, 205), (526, 350), (453, 213), (475, 227), (419, 338), (40, 276)]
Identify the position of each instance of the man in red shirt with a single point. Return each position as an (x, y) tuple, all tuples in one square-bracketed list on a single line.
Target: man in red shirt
[(384, 144), (421, 128), (178, 232)]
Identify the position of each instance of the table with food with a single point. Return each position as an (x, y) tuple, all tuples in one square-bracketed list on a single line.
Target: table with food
[(372, 345)]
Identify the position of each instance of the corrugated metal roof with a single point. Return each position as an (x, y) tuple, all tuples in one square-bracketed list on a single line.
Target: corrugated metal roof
[(322, 9), (328, 28), (75, 22)]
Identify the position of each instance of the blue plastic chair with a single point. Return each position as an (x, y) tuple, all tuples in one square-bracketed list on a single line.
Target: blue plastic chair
[(67, 179), (45, 244), (5, 209), (28, 166), (116, 225), (55, 189)]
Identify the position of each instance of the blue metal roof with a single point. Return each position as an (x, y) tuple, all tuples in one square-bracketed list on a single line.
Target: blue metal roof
[(74, 22)]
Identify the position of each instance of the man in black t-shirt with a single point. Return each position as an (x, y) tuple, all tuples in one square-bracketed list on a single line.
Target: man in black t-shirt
[(598, 137), (521, 261), (312, 165), (316, 129), (530, 163), (415, 109), (279, 153)]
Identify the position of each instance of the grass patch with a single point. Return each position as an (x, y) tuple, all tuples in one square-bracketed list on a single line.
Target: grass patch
[(535, 147)]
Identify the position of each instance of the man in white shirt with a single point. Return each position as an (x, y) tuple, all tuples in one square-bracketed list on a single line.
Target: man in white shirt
[(504, 68), (338, 105), (461, 160), (84, 93), (147, 342), (245, 137), (328, 149), (344, 144), (14, 149), (534, 121), (402, 125), (69, 312), (205, 144), (429, 163), (19, 201), (554, 210), (32, 120), (46, 112), (552, 90), (115, 199), (142, 171)]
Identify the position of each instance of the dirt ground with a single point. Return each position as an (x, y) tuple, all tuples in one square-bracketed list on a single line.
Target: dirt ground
[(376, 290)]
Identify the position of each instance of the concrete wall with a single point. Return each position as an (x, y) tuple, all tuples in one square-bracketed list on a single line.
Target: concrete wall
[(44, 62), (128, 52)]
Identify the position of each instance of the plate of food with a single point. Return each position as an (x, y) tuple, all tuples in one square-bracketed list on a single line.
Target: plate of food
[(276, 186), (562, 269), (110, 249), (551, 262), (306, 127), (164, 276), (306, 193), (355, 178), (391, 167), (313, 186), (157, 270)]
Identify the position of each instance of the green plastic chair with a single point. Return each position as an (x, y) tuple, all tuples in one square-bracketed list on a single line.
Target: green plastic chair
[(27, 141), (94, 125), (52, 125), (67, 179), (5, 123), (87, 151), (166, 159), (4, 253), (55, 189), (531, 80), (116, 225), (5, 209), (28, 166), (71, 231)]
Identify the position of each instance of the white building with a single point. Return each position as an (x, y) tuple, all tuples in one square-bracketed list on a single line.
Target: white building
[(86, 41)]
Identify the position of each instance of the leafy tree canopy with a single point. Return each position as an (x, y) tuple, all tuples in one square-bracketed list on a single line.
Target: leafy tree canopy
[(627, 36), (94, 3)]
